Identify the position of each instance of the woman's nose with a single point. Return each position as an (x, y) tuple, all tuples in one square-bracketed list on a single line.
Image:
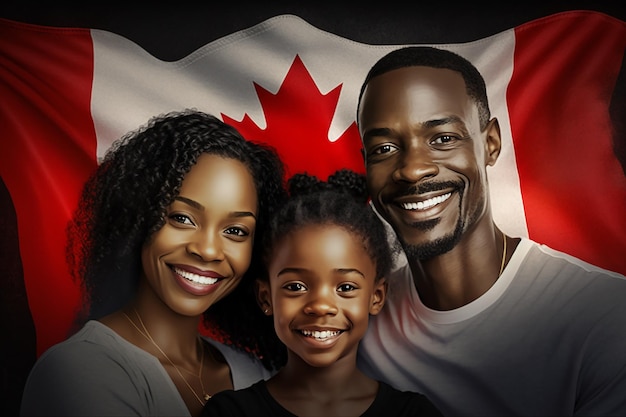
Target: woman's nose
[(206, 245)]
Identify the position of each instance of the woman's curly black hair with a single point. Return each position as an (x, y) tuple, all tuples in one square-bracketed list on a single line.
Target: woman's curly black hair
[(342, 200), (125, 200)]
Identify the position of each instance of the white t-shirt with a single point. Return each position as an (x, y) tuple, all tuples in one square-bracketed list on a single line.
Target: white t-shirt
[(548, 338), (96, 372)]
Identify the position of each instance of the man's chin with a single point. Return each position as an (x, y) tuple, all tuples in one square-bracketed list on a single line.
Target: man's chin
[(426, 250)]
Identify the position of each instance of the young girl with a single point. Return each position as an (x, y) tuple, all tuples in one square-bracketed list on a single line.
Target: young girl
[(164, 235), (327, 256)]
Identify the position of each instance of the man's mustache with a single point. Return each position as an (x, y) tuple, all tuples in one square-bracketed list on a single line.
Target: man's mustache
[(427, 187)]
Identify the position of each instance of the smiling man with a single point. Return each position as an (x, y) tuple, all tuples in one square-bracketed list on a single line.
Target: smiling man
[(481, 322)]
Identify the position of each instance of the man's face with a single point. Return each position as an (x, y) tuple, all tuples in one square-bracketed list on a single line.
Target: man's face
[(425, 156)]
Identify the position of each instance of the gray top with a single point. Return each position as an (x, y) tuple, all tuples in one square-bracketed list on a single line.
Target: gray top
[(96, 372)]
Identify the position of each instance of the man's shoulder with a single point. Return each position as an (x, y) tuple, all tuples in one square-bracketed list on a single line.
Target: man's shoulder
[(539, 250)]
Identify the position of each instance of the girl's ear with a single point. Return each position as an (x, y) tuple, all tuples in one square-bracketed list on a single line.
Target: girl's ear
[(378, 296), (264, 296)]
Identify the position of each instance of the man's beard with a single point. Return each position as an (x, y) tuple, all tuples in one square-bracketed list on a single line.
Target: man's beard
[(429, 250)]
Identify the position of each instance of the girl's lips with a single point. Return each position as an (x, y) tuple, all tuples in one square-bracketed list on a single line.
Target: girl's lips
[(321, 334), (322, 338)]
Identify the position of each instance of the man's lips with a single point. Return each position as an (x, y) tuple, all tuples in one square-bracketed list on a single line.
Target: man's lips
[(198, 277), (423, 204)]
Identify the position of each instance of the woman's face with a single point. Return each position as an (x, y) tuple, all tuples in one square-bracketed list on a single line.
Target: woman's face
[(203, 249)]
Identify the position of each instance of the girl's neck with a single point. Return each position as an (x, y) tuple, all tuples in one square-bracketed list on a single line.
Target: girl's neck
[(339, 389), (298, 375)]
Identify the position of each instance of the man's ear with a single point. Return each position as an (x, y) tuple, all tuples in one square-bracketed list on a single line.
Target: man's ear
[(264, 296), (378, 296), (493, 141)]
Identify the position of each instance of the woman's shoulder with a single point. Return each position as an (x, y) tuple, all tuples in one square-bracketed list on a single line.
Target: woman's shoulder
[(97, 372), (93, 346), (245, 367)]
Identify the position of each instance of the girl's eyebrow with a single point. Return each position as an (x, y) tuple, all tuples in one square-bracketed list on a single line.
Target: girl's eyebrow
[(343, 271), (200, 207), (346, 271)]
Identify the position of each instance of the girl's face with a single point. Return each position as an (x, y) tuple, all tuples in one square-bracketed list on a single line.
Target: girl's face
[(203, 249), (321, 290)]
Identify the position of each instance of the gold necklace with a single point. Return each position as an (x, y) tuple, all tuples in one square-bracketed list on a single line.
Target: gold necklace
[(145, 333), (503, 254)]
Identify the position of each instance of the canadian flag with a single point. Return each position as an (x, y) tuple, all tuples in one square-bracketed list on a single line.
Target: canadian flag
[(67, 94)]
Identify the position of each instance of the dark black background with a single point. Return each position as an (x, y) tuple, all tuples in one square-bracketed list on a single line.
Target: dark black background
[(171, 31)]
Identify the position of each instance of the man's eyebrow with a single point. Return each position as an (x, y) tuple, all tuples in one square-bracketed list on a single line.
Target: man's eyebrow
[(443, 121), (429, 124), (377, 131), (199, 206)]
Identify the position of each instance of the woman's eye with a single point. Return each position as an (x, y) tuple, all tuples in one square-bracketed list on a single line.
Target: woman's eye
[(237, 231), (182, 219)]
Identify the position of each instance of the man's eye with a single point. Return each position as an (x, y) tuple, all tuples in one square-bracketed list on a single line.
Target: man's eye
[(443, 139), (383, 149)]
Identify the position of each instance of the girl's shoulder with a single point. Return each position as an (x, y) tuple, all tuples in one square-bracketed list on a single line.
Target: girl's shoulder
[(394, 402)]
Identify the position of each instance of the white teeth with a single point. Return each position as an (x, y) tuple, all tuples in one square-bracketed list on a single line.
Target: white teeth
[(198, 279), (423, 205), (320, 335)]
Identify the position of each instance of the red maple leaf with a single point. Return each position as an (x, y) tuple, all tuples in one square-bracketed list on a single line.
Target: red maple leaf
[(298, 119)]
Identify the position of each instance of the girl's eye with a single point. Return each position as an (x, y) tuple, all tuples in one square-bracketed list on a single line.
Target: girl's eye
[(181, 218), (346, 288), (294, 286)]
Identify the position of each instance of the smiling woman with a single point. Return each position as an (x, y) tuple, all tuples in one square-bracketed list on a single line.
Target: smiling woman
[(164, 235)]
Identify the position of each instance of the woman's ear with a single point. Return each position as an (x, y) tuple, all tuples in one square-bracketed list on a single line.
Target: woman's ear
[(379, 296), (264, 296)]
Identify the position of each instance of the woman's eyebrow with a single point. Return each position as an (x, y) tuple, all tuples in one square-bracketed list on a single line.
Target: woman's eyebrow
[(190, 202), (199, 206)]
